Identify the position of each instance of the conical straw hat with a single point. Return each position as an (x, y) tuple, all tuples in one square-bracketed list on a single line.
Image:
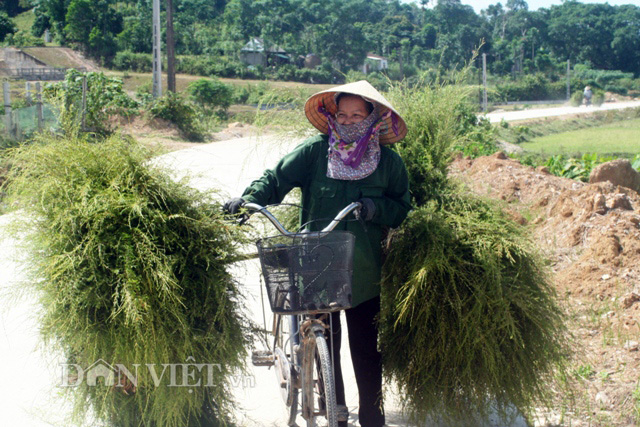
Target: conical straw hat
[(363, 88)]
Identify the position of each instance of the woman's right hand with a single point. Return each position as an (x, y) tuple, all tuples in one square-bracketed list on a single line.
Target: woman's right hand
[(232, 206)]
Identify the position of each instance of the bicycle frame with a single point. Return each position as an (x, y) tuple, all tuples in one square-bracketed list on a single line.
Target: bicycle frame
[(308, 348)]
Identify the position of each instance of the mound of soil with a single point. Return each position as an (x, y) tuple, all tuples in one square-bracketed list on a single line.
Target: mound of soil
[(591, 235)]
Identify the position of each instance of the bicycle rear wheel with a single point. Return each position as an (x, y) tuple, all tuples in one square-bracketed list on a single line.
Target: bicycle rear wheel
[(318, 384)]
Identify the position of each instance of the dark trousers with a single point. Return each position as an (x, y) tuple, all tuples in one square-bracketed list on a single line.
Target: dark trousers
[(366, 359)]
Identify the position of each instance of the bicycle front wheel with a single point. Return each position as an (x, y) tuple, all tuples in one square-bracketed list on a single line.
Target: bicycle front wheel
[(319, 393), (285, 339)]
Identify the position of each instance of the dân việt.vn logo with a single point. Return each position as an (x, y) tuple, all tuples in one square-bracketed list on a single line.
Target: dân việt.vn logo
[(189, 374)]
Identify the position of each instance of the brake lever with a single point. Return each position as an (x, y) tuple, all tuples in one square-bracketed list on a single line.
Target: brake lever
[(243, 219)]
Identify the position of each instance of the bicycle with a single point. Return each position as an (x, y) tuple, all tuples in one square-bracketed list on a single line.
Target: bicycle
[(307, 275)]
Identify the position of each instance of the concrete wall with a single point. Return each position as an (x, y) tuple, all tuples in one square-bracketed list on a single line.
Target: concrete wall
[(15, 58)]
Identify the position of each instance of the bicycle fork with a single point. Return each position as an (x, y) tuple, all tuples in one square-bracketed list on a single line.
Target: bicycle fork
[(310, 329)]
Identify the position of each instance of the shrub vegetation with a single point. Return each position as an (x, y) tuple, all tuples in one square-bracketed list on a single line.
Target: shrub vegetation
[(175, 109), (211, 94), (105, 99)]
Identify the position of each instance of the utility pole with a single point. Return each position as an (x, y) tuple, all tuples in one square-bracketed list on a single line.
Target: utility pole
[(485, 107), (568, 79), (7, 109), (171, 55), (157, 53)]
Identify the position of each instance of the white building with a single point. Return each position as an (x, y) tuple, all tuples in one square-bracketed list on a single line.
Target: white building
[(374, 63)]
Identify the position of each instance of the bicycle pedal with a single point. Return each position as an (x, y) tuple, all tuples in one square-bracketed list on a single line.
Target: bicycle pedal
[(262, 358)]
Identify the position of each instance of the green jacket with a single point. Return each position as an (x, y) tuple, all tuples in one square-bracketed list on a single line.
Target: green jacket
[(323, 197)]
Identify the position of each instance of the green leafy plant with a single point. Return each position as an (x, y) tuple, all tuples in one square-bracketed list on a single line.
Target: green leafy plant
[(211, 94), (584, 372), (105, 99), (636, 402), (23, 39), (132, 61), (130, 268), (173, 108), (575, 168)]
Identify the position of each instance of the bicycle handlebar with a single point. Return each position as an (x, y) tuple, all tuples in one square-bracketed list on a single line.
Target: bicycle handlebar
[(254, 207)]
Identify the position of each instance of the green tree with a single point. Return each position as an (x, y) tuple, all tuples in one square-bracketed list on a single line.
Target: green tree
[(136, 28), (583, 32), (51, 14), (93, 24), (14, 7), (459, 31), (6, 25), (625, 45)]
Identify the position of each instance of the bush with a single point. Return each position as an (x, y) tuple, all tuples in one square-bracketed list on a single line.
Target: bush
[(241, 94), (317, 75), (198, 65), (575, 168), (195, 65), (616, 89), (214, 66), (531, 87), (173, 108), (284, 73), (257, 92), (23, 39), (131, 268), (354, 76), (211, 93), (599, 78), (131, 61), (144, 93), (106, 98)]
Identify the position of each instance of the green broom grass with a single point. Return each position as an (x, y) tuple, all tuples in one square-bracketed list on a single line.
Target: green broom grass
[(469, 321), (130, 268)]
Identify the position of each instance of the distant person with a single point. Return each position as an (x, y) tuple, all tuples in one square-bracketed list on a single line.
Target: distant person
[(588, 94)]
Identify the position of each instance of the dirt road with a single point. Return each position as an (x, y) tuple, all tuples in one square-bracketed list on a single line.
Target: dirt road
[(511, 116)]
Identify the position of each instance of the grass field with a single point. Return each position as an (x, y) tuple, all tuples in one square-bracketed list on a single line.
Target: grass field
[(24, 21), (133, 80), (619, 137)]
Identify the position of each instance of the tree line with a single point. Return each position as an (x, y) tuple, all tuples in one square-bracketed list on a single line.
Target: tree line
[(413, 36)]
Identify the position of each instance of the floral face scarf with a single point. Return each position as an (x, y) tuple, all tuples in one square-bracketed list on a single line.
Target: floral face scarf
[(354, 150)]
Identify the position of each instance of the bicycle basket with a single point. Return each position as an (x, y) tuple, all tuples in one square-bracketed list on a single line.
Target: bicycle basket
[(308, 272)]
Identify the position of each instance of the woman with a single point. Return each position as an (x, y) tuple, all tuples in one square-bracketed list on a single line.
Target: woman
[(348, 162)]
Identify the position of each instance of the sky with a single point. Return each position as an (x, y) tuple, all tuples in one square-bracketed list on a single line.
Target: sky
[(478, 5)]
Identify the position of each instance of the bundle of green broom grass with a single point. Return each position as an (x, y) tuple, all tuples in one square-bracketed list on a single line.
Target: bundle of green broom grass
[(469, 322), (131, 269)]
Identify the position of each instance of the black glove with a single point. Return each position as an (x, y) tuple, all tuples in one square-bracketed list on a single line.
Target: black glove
[(368, 209), (232, 206)]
